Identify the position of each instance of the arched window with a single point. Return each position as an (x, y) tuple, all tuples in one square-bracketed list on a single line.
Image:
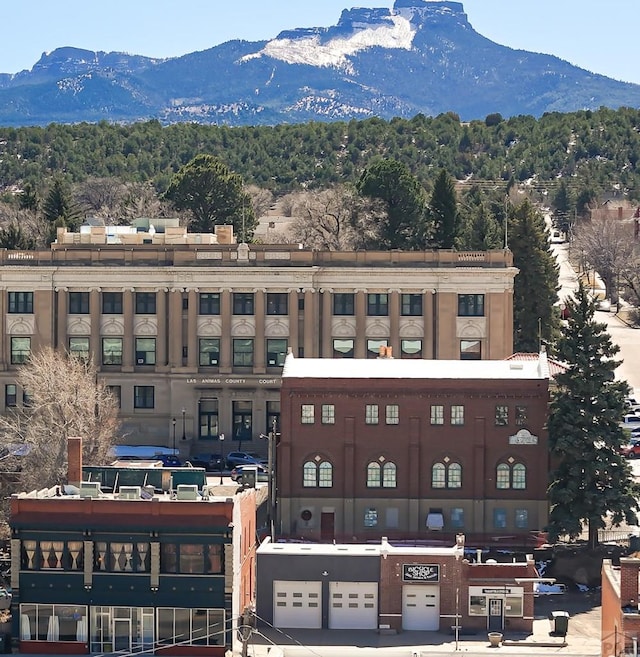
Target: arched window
[(519, 476), (438, 475), (373, 475), (511, 476), (381, 475), (317, 475), (503, 476), (447, 475)]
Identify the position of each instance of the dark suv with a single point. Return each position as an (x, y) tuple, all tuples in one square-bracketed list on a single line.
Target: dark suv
[(210, 462)]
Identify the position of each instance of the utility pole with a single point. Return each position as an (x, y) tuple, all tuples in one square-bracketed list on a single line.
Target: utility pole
[(245, 630)]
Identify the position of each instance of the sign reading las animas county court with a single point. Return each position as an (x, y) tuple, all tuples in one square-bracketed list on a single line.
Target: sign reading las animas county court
[(420, 572)]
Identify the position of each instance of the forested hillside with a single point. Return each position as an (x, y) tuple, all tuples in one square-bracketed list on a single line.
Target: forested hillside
[(593, 152)]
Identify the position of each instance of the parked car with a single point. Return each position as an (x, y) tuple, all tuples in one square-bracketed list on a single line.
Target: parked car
[(211, 462), (631, 419), (262, 472), (242, 458), (557, 237), (632, 449), (169, 460), (604, 305)]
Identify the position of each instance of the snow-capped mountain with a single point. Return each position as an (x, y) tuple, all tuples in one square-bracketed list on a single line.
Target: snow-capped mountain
[(421, 56)]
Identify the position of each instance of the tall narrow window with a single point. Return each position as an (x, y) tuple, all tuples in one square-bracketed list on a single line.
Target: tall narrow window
[(328, 414), (457, 414), (10, 395), (242, 420), (392, 414), (371, 414), (437, 414)]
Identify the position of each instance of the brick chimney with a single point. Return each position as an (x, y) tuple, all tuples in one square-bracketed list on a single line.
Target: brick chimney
[(74, 461), (629, 571)]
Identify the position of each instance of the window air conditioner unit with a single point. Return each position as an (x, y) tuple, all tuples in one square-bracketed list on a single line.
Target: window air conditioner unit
[(140, 361), (272, 362), (90, 489), (187, 492), (213, 360), (130, 492)]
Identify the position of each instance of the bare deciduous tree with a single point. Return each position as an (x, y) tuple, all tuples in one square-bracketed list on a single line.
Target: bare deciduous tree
[(261, 199), (65, 399), (337, 219), (100, 197), (606, 245)]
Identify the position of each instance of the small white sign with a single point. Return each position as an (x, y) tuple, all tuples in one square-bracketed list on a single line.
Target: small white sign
[(523, 437)]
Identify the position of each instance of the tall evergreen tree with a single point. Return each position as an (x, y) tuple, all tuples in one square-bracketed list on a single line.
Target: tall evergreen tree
[(479, 230), (28, 198), (590, 478), (214, 195), (59, 209), (405, 202), (536, 285), (443, 209)]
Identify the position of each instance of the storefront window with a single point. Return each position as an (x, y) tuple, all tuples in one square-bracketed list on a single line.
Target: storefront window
[(477, 605), (513, 606)]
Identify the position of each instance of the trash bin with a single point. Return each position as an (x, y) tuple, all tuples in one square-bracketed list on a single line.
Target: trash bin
[(559, 621)]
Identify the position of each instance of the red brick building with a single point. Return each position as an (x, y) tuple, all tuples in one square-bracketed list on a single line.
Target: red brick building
[(409, 449), (620, 606)]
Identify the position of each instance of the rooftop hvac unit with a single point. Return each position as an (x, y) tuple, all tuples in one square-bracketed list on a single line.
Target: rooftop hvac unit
[(130, 492), (187, 492), (90, 489)]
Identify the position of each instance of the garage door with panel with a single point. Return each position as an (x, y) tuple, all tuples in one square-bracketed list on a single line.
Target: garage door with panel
[(297, 604), (353, 605), (420, 607)]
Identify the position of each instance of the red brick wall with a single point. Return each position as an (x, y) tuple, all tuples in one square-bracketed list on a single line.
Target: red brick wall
[(74, 461)]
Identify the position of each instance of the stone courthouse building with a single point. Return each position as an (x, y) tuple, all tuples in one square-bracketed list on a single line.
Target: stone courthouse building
[(196, 327)]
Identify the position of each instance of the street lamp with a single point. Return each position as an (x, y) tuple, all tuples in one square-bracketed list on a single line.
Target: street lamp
[(184, 433), (173, 422), (221, 439)]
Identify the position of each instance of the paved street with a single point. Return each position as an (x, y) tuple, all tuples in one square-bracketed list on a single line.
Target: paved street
[(626, 337)]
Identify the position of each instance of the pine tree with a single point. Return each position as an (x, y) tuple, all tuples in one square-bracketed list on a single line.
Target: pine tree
[(444, 211), (590, 478), (59, 209), (536, 285), (405, 203)]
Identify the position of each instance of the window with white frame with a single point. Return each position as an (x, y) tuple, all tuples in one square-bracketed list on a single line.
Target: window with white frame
[(371, 414), (437, 414), (392, 414), (307, 414), (317, 475), (328, 414), (446, 475), (457, 414), (381, 475)]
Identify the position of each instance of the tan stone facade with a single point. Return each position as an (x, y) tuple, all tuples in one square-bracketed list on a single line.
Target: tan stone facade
[(198, 331)]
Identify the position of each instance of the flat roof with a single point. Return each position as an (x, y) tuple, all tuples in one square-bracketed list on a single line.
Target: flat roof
[(400, 368), (353, 549)]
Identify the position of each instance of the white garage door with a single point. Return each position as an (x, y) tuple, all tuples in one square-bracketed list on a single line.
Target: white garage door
[(297, 604), (420, 607), (353, 605)]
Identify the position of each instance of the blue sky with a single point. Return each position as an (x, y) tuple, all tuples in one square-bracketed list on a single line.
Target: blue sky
[(600, 36)]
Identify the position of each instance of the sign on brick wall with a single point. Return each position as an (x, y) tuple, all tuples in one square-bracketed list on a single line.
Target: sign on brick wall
[(420, 572)]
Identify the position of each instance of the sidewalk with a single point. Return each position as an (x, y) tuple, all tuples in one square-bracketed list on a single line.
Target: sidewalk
[(334, 643)]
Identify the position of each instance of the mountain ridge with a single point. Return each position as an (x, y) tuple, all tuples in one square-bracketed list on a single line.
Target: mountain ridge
[(422, 56)]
